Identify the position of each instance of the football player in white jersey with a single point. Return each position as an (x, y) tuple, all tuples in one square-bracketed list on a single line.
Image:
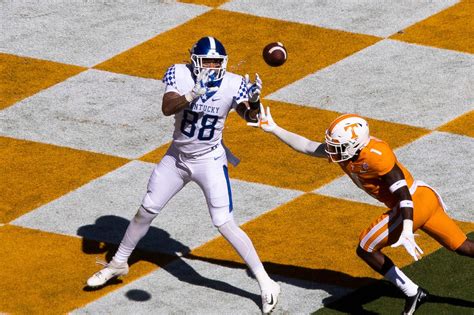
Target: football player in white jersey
[(199, 95)]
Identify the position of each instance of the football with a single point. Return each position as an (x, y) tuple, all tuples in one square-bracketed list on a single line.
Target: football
[(275, 54)]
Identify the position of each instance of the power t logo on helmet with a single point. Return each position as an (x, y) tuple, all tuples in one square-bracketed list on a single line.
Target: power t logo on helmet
[(345, 136), (209, 53), (351, 127)]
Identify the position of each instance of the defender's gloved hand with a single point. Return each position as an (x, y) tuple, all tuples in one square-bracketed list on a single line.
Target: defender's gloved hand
[(265, 120), (254, 88), (201, 86), (407, 240)]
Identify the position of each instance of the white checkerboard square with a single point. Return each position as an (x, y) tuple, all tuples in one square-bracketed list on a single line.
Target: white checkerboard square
[(101, 210), (215, 290), (86, 33), (94, 111), (379, 18), (393, 81)]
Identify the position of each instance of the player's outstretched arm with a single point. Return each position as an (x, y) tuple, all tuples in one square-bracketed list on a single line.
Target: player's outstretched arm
[(295, 141), (398, 187)]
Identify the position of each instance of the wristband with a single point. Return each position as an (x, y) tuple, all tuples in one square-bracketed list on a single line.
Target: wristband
[(406, 204), (395, 186)]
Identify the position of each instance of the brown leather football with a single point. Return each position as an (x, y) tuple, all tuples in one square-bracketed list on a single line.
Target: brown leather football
[(275, 54)]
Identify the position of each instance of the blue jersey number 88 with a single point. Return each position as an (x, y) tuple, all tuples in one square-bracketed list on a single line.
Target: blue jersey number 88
[(208, 124)]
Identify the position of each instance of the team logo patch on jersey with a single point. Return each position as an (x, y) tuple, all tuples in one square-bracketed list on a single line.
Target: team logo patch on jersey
[(365, 167)]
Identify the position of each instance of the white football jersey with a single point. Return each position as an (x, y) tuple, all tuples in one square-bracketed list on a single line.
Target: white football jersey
[(199, 127)]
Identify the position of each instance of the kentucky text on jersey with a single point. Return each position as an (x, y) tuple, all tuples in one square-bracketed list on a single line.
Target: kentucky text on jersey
[(205, 108)]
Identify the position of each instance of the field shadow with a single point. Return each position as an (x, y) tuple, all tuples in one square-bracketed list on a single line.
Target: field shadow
[(362, 290), (156, 247), (159, 248)]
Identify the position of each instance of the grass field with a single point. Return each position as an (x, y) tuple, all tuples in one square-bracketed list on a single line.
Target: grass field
[(448, 277)]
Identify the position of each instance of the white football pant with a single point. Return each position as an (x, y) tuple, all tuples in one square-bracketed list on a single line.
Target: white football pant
[(209, 171)]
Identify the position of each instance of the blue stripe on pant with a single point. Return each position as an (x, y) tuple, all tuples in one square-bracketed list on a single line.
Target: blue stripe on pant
[(229, 191)]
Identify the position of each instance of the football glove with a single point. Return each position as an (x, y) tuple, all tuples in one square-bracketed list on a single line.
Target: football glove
[(254, 88), (265, 120), (201, 87), (407, 240)]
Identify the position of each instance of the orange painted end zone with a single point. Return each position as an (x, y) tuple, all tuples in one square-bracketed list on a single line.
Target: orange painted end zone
[(463, 125), (156, 155), (315, 237), (45, 273), (34, 173), (22, 77), (209, 3), (322, 47), (452, 28)]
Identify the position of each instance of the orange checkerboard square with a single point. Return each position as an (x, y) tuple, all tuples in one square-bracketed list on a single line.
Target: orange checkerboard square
[(309, 48), (209, 3), (463, 125), (312, 232), (34, 173), (452, 28), (22, 77), (52, 278)]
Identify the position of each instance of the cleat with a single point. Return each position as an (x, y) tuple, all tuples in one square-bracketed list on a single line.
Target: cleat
[(110, 270), (270, 297), (413, 302)]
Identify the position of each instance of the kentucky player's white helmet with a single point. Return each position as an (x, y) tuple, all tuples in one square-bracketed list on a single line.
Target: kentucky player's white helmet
[(345, 136), (209, 48)]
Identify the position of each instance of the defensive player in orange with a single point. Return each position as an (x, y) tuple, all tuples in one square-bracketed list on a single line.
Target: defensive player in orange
[(373, 167)]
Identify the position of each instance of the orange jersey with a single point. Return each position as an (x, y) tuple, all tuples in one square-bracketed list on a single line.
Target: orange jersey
[(375, 160)]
